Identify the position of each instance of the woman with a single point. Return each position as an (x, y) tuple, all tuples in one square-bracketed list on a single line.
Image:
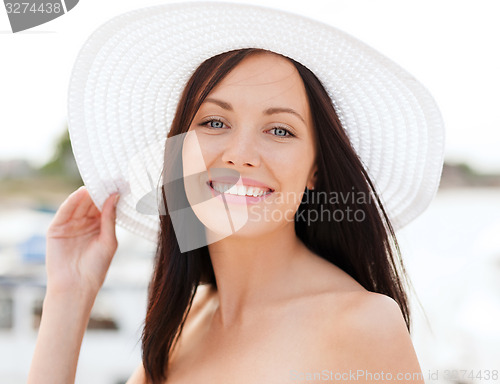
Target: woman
[(283, 298)]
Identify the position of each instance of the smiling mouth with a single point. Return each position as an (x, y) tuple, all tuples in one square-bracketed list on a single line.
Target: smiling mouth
[(237, 190)]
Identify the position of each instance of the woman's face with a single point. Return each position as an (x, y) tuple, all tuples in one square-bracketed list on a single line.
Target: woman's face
[(252, 133)]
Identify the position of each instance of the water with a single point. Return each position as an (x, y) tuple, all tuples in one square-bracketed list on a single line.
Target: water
[(452, 253)]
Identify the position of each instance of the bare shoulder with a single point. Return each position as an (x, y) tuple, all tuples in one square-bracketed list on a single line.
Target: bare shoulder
[(138, 377), (371, 311), (373, 335), (201, 298)]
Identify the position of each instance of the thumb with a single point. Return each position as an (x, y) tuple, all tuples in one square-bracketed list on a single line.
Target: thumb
[(108, 219)]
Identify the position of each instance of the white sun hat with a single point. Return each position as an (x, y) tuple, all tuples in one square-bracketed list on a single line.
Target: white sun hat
[(130, 73)]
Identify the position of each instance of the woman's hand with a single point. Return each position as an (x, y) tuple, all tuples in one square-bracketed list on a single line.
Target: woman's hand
[(81, 243)]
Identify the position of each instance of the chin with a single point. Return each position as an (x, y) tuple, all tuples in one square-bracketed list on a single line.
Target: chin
[(258, 229), (238, 221)]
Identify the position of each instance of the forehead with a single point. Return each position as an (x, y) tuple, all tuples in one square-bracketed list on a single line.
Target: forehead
[(261, 68), (264, 79)]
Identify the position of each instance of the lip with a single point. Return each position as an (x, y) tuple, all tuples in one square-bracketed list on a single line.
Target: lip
[(247, 182), (236, 199)]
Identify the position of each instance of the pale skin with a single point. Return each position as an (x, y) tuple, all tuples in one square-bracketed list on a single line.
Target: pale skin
[(280, 311), (81, 242)]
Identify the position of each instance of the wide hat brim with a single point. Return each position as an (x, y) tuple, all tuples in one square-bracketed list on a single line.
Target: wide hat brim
[(130, 73)]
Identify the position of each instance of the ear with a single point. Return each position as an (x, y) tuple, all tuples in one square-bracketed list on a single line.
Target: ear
[(311, 181)]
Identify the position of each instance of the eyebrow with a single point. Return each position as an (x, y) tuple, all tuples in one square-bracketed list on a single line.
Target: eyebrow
[(269, 111)]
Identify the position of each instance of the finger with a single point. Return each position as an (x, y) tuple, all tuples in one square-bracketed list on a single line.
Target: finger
[(108, 219), (68, 207), (85, 204), (93, 211)]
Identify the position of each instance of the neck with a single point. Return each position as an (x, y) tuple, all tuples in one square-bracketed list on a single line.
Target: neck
[(253, 271)]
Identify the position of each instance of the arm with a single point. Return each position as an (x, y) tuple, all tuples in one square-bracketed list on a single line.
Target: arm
[(62, 326), (81, 243)]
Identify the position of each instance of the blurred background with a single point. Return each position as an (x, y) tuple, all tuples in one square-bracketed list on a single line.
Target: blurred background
[(452, 251)]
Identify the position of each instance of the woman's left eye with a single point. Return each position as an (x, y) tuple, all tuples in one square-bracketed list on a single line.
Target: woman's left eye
[(282, 132)]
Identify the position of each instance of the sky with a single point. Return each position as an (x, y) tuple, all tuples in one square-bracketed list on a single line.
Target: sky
[(451, 46)]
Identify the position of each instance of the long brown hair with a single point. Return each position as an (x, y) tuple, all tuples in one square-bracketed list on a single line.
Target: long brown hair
[(366, 249)]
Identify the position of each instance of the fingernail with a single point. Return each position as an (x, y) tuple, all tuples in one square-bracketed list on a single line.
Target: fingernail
[(117, 197)]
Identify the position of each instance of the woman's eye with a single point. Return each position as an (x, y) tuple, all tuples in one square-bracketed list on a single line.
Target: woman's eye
[(216, 124), (282, 132), (213, 123)]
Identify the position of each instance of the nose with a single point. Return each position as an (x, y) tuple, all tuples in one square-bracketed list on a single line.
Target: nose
[(241, 149)]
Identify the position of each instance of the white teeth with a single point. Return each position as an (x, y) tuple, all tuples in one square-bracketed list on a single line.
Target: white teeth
[(242, 191), (239, 190), (233, 190)]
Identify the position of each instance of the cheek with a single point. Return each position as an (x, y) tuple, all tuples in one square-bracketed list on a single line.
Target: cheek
[(192, 155), (290, 167), (210, 148)]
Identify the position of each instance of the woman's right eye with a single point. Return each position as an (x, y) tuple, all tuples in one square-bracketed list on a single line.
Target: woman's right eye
[(213, 123)]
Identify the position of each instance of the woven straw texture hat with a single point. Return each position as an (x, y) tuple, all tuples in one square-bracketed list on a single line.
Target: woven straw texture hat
[(129, 75)]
